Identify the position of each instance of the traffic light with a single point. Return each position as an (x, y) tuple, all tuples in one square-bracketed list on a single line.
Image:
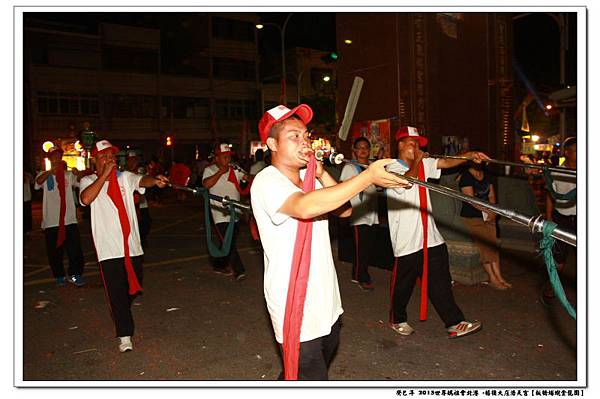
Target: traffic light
[(330, 57), (169, 141)]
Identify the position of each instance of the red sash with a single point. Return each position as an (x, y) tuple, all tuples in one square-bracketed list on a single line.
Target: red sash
[(424, 217), (233, 178), (60, 181), (296, 295), (114, 192)]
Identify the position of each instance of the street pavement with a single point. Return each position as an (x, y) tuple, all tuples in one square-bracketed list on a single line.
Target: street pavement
[(194, 325)]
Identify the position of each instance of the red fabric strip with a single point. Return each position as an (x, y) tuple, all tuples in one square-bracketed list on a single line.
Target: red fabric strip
[(423, 209), (114, 192), (294, 306), (232, 178), (60, 181)]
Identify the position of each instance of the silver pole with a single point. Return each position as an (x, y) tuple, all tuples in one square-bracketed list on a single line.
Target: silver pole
[(534, 223), (522, 165), (224, 200)]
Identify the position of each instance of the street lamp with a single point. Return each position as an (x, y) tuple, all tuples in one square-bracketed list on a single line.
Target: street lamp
[(282, 36)]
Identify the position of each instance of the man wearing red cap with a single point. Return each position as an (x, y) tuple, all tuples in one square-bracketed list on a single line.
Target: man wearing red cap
[(59, 219), (290, 204), (364, 219), (223, 180), (419, 247), (115, 232)]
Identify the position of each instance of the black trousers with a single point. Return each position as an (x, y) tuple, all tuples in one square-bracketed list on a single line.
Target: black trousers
[(72, 244), (26, 216), (560, 248), (116, 289), (316, 355), (439, 287), (233, 258), (364, 241), (144, 225)]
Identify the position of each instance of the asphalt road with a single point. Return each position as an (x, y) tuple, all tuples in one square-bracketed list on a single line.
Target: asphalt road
[(194, 325)]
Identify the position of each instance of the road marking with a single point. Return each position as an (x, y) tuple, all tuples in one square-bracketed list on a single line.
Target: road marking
[(146, 265)]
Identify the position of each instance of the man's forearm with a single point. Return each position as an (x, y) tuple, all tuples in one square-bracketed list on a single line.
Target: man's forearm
[(327, 180), (212, 180), (42, 178), (91, 192), (147, 181), (319, 202)]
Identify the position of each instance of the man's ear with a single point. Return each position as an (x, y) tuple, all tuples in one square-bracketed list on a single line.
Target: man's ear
[(272, 143)]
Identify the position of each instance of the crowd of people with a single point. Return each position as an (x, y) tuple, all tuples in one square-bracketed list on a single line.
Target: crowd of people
[(291, 195)]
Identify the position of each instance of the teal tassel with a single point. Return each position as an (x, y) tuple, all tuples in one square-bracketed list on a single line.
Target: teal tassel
[(546, 245)]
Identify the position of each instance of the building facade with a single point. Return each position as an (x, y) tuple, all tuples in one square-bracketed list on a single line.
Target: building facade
[(193, 77), (448, 74)]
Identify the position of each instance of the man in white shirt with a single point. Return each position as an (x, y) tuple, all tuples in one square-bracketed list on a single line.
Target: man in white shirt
[(59, 219), (115, 232), (223, 180), (364, 218), (278, 203), (407, 232), (563, 211)]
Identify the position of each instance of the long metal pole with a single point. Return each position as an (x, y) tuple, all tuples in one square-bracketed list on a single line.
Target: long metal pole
[(522, 165), (534, 223), (224, 200)]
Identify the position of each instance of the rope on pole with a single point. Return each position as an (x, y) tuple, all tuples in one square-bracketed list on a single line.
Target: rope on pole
[(546, 244)]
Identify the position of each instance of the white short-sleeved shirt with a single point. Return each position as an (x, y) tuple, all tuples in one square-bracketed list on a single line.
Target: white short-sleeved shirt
[(404, 216), (562, 184), (222, 188), (364, 207), (51, 200), (323, 304), (106, 228)]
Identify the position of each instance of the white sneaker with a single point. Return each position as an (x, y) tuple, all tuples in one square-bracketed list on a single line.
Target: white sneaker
[(402, 328), (125, 344)]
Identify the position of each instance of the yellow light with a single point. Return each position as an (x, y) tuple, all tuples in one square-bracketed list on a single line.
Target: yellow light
[(47, 145), (348, 41), (527, 137), (259, 26), (549, 106), (78, 146), (169, 141), (535, 138), (326, 78)]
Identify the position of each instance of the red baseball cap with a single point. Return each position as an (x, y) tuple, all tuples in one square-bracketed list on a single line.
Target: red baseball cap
[(103, 146), (413, 132), (281, 113), (223, 149)]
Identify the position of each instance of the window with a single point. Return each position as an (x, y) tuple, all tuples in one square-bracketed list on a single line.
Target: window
[(236, 109), (67, 103), (232, 69), (130, 59), (121, 106), (185, 107), (230, 29)]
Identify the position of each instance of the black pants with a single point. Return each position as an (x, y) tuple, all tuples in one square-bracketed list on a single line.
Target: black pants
[(560, 248), (439, 287), (364, 241), (316, 355), (233, 258), (116, 288), (72, 244), (144, 225), (26, 216)]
